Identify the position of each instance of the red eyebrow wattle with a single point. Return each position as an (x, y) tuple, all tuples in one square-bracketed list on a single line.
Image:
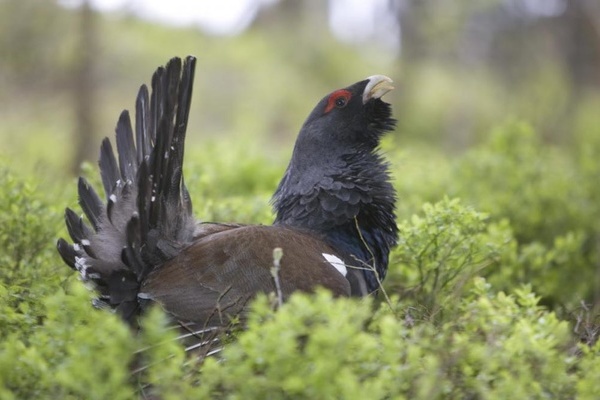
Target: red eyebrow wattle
[(342, 93)]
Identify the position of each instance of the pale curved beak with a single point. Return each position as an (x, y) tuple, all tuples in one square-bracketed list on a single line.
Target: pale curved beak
[(378, 86)]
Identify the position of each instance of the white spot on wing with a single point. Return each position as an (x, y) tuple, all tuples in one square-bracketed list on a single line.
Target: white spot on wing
[(144, 296), (336, 262)]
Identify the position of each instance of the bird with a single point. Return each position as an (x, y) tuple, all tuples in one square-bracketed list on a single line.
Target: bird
[(141, 245)]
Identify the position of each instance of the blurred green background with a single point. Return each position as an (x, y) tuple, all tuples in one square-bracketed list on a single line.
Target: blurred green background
[(497, 104), (495, 160), (461, 68)]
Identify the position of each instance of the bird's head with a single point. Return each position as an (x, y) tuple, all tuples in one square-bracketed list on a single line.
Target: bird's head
[(347, 121)]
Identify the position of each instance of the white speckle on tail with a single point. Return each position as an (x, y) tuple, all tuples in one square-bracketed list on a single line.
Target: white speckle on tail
[(336, 262), (81, 266), (113, 198), (144, 296), (85, 242), (76, 247)]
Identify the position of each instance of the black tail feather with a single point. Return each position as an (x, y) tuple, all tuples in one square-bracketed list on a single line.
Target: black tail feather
[(131, 253), (67, 252), (167, 206), (90, 203), (109, 170), (147, 217), (74, 226), (126, 148), (143, 132), (144, 193)]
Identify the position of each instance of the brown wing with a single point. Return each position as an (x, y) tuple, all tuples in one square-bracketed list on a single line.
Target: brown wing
[(213, 279)]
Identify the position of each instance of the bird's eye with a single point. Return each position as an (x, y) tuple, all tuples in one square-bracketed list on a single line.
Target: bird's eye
[(338, 99)]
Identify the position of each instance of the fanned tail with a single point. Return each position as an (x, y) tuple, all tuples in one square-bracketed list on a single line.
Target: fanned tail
[(147, 218)]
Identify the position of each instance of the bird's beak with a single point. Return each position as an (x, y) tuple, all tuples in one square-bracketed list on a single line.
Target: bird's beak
[(378, 86)]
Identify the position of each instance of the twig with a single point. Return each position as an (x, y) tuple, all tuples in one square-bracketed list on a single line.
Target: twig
[(373, 267), (277, 254)]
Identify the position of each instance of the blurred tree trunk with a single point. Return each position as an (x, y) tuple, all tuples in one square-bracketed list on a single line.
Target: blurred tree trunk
[(84, 89), (583, 49)]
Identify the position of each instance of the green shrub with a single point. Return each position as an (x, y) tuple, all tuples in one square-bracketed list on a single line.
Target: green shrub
[(28, 229), (441, 250), (318, 347), (588, 385), (548, 198), (77, 353), (460, 319), (537, 187)]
